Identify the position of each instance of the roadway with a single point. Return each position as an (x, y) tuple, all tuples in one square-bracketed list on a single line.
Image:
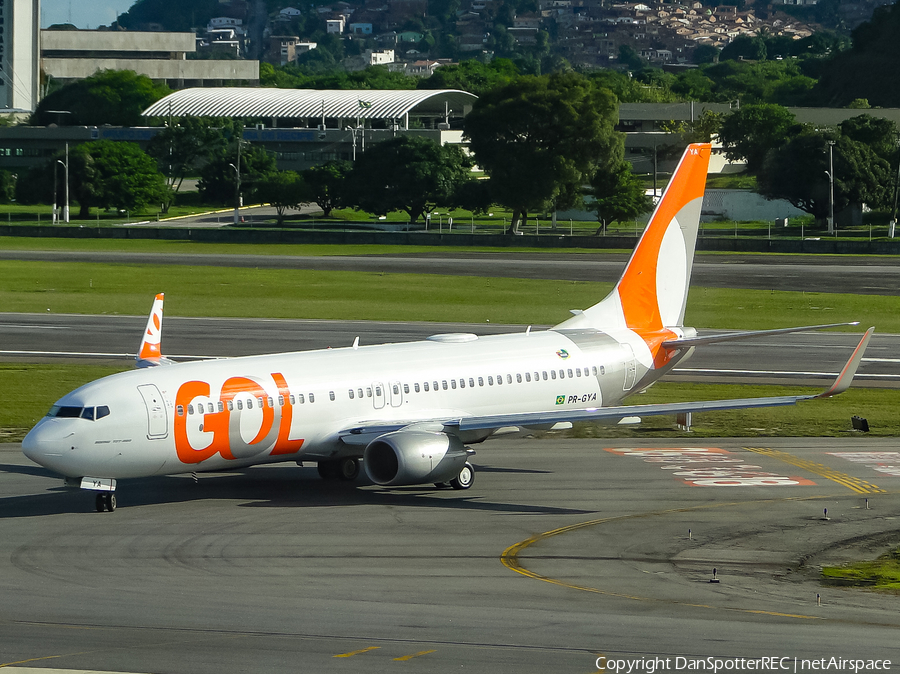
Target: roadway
[(272, 570), (803, 358), (857, 275)]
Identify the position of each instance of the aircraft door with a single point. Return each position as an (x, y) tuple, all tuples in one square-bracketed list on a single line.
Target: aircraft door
[(157, 419), (630, 369), (378, 399), (396, 394)]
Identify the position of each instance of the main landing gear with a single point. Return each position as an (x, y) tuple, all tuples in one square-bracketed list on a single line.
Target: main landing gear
[(339, 469), (464, 480), (106, 501)]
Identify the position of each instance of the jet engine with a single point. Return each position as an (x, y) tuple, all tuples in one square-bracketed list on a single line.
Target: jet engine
[(414, 457)]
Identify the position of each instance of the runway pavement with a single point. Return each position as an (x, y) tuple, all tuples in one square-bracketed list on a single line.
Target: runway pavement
[(860, 275), (562, 552), (803, 358)]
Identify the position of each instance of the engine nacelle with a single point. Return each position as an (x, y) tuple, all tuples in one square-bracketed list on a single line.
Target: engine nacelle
[(413, 457)]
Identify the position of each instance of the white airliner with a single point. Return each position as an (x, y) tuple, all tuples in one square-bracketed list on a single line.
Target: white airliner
[(408, 411)]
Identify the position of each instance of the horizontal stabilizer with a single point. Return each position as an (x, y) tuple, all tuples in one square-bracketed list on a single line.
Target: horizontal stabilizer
[(750, 334)]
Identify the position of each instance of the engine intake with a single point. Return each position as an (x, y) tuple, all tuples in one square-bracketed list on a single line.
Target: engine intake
[(413, 457)]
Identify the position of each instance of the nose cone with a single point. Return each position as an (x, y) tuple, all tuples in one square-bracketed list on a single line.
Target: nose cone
[(48, 444)]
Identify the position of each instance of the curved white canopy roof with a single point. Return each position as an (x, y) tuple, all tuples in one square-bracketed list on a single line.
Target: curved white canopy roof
[(299, 103)]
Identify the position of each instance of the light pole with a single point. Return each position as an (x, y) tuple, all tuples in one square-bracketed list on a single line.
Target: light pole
[(831, 187), (65, 165), (237, 185)]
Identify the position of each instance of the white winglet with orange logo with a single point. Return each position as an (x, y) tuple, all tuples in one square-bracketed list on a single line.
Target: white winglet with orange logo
[(150, 351), (652, 292)]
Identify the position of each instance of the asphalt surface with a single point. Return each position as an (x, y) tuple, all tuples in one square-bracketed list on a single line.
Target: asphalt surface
[(803, 358), (271, 569), (850, 274)]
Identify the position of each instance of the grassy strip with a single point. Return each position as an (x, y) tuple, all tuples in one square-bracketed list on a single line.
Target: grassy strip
[(881, 574), (189, 247), (816, 418), (27, 391), (88, 288)]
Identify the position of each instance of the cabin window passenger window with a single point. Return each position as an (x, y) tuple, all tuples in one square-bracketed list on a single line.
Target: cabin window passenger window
[(292, 399), (271, 402), (179, 410), (301, 398), (220, 406), (250, 404), (230, 406), (406, 388), (481, 381), (261, 401), (518, 378), (396, 389), (490, 381), (190, 409), (509, 379), (545, 375), (434, 385), (552, 374), (562, 374), (368, 392), (425, 385), (594, 370), (471, 382), (359, 392), (240, 405), (331, 395), (499, 380), (577, 371), (210, 408), (378, 392), (281, 401), (602, 370), (312, 397), (462, 383), (351, 394), (527, 376), (570, 374), (444, 383), (416, 387), (453, 384)]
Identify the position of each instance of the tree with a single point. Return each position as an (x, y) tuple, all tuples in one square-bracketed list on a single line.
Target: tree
[(180, 148), (103, 174), (754, 130), (797, 171), (283, 190), (541, 138), (744, 47), (472, 75), (878, 133), (409, 174), (116, 97), (218, 178), (618, 195), (328, 184)]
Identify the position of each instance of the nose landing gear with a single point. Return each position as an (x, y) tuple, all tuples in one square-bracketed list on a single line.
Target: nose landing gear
[(106, 501)]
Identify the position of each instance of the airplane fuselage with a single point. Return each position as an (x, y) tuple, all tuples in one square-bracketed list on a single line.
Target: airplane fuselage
[(213, 415)]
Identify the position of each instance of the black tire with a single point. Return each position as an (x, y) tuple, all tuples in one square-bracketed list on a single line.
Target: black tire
[(329, 470), (111, 501), (348, 469), (465, 479), (442, 485), (101, 502)]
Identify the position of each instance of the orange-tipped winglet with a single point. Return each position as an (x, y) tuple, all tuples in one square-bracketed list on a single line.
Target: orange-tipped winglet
[(653, 288), (150, 351), (845, 378)]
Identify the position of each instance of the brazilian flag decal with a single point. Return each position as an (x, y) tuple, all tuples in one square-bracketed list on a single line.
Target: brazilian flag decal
[(560, 400)]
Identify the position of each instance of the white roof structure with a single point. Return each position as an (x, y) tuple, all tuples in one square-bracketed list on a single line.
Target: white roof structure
[(310, 103)]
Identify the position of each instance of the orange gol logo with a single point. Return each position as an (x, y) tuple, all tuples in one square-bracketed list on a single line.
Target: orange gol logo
[(225, 425)]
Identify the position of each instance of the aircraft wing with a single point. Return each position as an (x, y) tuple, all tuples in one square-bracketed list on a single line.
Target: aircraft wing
[(750, 334), (364, 433), (841, 384)]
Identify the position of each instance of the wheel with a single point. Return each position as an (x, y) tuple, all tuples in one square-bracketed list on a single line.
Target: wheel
[(329, 470), (111, 501), (349, 469), (465, 479), (101, 503)]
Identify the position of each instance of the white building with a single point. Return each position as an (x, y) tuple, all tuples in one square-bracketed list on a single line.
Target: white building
[(19, 54)]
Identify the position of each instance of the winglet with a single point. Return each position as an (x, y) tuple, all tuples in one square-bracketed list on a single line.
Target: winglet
[(845, 378), (150, 351)]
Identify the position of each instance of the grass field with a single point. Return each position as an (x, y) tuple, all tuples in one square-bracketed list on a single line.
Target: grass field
[(27, 391), (233, 292), (880, 574)]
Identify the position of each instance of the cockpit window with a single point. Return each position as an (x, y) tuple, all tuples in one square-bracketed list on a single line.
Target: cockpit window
[(72, 412)]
